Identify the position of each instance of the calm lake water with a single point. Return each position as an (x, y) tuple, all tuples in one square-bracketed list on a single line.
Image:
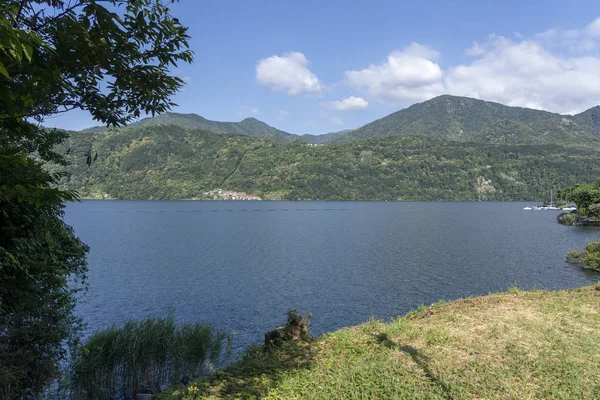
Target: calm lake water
[(242, 265)]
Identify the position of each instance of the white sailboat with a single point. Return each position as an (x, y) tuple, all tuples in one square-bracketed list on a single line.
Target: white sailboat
[(551, 206), (546, 208)]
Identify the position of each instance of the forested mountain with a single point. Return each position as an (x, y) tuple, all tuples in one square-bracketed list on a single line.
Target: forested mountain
[(326, 138), (447, 148), (169, 162), (445, 117), (590, 119), (248, 126), (465, 119)]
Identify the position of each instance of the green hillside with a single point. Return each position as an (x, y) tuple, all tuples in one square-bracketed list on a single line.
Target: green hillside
[(466, 120), (589, 119), (446, 148), (169, 162), (326, 138)]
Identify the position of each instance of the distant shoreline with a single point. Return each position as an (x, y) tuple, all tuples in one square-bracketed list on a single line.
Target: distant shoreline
[(323, 201)]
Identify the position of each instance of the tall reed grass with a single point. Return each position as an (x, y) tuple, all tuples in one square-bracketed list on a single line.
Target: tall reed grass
[(117, 362)]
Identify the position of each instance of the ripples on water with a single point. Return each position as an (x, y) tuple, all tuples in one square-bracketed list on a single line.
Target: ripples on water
[(243, 265)]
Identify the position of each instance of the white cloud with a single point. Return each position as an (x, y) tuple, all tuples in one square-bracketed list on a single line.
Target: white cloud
[(593, 29), (351, 103), (475, 50), (556, 70), (282, 114), (549, 34), (525, 73), (287, 73), (406, 76), (574, 40), (254, 110)]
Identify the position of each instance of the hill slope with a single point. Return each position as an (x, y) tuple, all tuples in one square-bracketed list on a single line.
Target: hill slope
[(248, 126), (590, 119), (169, 162), (445, 117), (517, 345), (465, 119)]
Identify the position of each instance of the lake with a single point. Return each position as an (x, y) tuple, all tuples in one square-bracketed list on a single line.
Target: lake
[(242, 265)]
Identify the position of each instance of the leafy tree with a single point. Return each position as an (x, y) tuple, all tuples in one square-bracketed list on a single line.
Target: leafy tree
[(111, 58), (583, 196), (39, 257)]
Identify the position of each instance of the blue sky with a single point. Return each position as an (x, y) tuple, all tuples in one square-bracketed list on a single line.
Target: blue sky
[(322, 66)]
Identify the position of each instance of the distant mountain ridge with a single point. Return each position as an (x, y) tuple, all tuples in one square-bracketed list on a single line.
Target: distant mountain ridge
[(248, 126), (466, 119), (170, 162), (453, 118)]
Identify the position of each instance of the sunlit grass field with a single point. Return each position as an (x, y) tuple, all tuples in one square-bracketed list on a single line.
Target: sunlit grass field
[(514, 345)]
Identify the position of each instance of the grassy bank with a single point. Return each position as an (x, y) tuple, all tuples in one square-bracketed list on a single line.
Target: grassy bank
[(515, 345)]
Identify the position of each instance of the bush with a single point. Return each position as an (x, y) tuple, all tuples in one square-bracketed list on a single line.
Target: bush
[(567, 218), (119, 362), (589, 258)]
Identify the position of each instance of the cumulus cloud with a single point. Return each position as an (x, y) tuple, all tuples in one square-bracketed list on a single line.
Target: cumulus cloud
[(556, 70), (287, 73), (593, 29), (475, 50), (525, 73), (406, 76), (351, 103), (574, 40)]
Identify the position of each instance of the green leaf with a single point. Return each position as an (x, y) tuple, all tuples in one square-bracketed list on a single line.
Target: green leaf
[(28, 51), (3, 70)]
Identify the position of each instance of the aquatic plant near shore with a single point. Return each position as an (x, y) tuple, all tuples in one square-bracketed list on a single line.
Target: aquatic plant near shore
[(119, 362)]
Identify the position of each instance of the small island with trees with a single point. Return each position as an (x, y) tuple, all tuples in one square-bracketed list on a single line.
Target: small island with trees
[(587, 199)]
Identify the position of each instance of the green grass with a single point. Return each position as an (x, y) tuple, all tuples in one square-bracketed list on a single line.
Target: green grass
[(515, 345)]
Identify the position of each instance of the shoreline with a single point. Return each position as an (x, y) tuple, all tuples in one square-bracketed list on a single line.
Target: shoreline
[(316, 200)]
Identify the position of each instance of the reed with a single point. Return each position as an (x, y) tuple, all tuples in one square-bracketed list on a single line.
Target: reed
[(119, 362)]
